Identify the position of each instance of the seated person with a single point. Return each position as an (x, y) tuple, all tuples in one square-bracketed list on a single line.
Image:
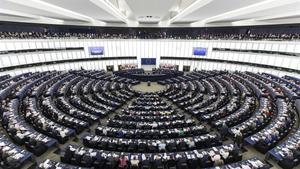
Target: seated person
[(162, 147), (134, 163), (123, 162), (171, 162), (191, 143)]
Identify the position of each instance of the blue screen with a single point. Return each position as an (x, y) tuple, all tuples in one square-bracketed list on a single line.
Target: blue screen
[(148, 61), (96, 50), (199, 51)]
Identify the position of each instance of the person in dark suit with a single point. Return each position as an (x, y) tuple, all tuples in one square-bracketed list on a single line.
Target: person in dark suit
[(157, 162), (120, 134), (171, 162), (87, 160), (182, 163), (192, 163), (206, 161), (99, 161), (111, 163), (145, 162), (223, 130)]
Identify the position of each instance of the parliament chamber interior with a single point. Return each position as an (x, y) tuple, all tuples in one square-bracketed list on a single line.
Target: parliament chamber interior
[(149, 84)]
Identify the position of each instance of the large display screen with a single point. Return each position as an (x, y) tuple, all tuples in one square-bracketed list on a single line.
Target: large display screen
[(148, 61), (96, 50), (199, 51)]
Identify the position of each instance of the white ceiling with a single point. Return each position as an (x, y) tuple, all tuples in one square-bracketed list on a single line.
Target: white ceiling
[(152, 13), (219, 7)]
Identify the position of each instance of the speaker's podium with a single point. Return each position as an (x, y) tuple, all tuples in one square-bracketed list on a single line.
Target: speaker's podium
[(148, 83)]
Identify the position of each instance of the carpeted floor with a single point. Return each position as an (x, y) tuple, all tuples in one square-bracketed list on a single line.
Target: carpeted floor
[(143, 87)]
